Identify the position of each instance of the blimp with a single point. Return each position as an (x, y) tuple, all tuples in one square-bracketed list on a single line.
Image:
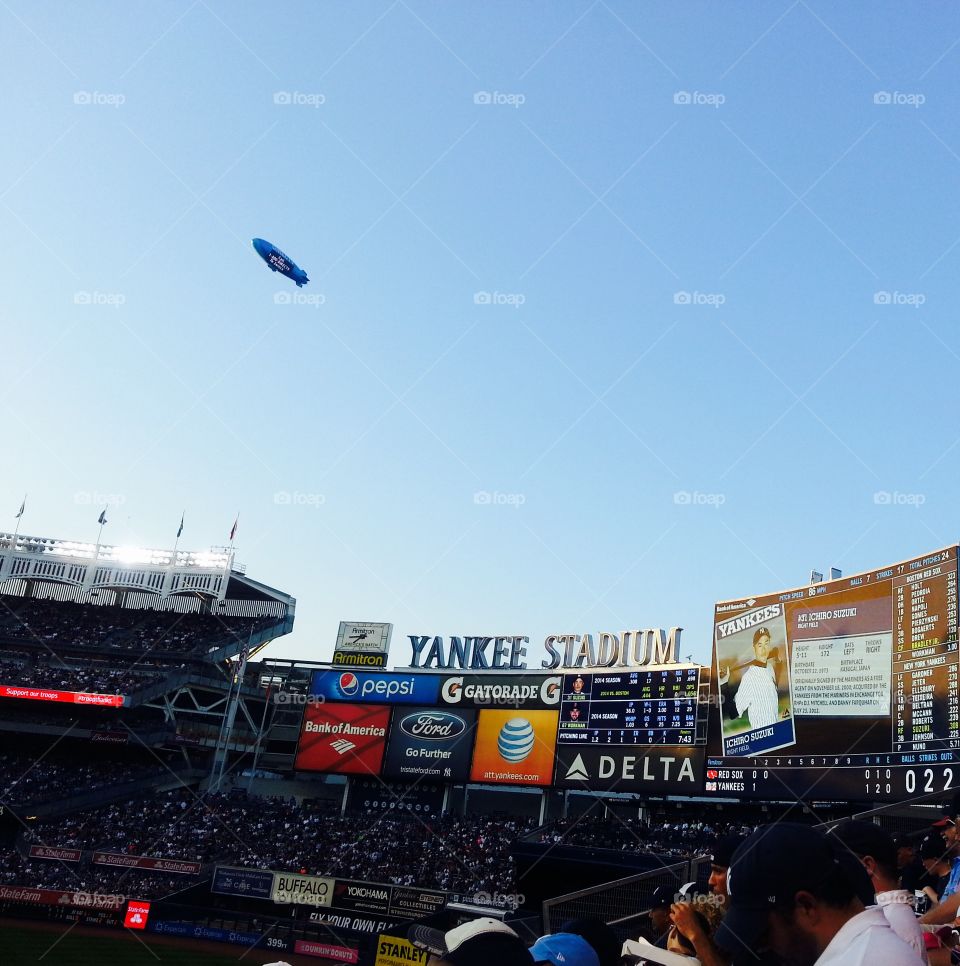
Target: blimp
[(279, 262)]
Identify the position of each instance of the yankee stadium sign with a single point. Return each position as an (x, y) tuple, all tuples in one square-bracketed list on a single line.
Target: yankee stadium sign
[(649, 646)]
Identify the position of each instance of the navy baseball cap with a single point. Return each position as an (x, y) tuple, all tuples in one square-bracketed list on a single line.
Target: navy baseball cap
[(866, 838), (723, 850), (564, 949), (663, 897), (767, 870), (932, 847)]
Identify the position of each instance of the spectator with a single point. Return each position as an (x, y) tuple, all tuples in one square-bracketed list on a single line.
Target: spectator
[(790, 892), (876, 850)]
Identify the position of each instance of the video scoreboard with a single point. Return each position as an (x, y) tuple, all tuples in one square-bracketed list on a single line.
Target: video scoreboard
[(645, 707), (844, 690)]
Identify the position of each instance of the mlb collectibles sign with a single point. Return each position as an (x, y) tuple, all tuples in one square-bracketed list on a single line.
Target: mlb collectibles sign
[(628, 649), (347, 739), (383, 688), (362, 645), (630, 768), (502, 691), (430, 743)]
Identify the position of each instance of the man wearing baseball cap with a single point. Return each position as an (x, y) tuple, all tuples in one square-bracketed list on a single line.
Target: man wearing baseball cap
[(480, 942), (795, 893), (683, 914), (877, 851), (949, 905)]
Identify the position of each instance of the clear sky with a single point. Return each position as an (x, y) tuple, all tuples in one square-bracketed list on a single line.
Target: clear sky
[(616, 309)]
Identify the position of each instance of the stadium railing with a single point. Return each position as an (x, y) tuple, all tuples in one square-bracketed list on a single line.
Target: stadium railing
[(624, 901)]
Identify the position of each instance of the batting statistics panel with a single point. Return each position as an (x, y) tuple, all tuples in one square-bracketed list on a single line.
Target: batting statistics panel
[(844, 690)]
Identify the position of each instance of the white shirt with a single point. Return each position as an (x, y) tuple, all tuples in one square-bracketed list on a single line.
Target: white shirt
[(897, 906), (868, 940), (757, 696)]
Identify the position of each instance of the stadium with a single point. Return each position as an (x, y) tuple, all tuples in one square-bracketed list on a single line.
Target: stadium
[(159, 778)]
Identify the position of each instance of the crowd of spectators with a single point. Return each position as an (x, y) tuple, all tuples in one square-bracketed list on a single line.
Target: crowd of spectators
[(455, 853), (25, 780), (15, 869), (118, 629), (676, 839), (69, 675)]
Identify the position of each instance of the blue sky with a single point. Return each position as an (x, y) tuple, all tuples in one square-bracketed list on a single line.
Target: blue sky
[(615, 309)]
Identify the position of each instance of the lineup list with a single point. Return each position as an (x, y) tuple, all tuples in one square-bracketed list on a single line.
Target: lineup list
[(630, 708), (926, 662)]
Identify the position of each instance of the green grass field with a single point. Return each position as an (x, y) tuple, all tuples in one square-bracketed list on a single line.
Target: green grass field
[(56, 946)]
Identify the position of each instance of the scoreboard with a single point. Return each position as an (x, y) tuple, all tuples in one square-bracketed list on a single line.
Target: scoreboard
[(843, 690), (644, 707)]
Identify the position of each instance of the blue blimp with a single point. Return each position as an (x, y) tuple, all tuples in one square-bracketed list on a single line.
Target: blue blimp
[(279, 262)]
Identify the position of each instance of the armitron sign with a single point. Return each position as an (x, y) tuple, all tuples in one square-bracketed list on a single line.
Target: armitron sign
[(634, 648)]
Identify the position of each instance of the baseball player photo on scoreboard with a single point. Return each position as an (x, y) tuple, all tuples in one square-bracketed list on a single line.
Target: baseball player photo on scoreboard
[(753, 674)]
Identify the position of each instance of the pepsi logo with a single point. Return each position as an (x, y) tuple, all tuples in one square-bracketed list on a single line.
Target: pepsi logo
[(348, 684)]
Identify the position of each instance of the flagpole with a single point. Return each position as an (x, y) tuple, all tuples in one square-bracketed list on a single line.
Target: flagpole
[(16, 532), (176, 543)]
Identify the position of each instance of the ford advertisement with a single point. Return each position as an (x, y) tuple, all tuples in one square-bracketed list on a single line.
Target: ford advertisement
[(430, 743)]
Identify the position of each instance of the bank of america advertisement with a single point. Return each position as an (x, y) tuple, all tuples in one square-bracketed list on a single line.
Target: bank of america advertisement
[(515, 747), (347, 739), (430, 743)]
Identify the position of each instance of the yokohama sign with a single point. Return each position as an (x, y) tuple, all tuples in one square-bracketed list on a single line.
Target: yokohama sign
[(66, 697)]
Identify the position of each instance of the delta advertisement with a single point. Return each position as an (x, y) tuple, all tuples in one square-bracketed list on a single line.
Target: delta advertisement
[(380, 688), (430, 743), (515, 747), (346, 739), (631, 768)]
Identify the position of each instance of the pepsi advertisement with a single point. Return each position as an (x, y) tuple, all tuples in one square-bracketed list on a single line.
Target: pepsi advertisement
[(379, 687), (430, 743)]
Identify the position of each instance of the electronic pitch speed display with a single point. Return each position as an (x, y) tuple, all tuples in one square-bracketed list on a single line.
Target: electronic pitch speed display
[(843, 690), (656, 706)]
